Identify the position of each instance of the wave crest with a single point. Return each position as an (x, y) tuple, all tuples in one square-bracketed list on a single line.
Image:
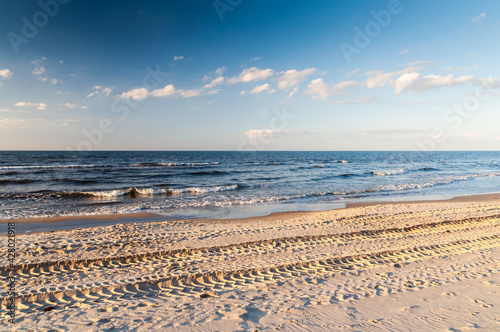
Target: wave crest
[(388, 173), (136, 192)]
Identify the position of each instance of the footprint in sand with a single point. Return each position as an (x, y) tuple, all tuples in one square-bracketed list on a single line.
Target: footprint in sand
[(253, 314), (484, 304)]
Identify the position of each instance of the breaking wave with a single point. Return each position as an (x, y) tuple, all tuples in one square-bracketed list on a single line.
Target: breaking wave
[(173, 164), (388, 173)]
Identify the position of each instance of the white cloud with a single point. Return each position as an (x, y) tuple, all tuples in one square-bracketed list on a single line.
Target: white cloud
[(475, 136), (69, 105), (294, 91), (11, 123), (410, 79), (474, 67), (213, 80), (42, 59), (8, 110), (352, 72), (6, 73), (379, 78), (39, 65), (319, 89), (489, 83), (100, 91), (251, 74), (189, 93), (257, 58), (267, 133), (168, 90), (262, 88), (39, 106), (216, 81), (292, 77), (39, 70), (135, 94), (220, 71), (479, 18), (214, 74), (20, 123), (178, 57), (67, 122), (340, 87), (405, 51), (416, 82)]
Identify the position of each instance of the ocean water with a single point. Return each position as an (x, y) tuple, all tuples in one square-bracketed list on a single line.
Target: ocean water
[(44, 183)]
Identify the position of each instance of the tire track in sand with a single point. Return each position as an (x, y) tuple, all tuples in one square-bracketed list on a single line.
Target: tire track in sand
[(215, 282), (188, 253)]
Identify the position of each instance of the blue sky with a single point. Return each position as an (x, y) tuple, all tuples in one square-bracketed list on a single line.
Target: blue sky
[(249, 75)]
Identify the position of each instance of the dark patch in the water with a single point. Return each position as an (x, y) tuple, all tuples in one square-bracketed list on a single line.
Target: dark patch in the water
[(209, 173), (22, 181), (77, 181), (10, 173)]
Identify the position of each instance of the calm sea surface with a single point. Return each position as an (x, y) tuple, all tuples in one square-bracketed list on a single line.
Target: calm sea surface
[(41, 184)]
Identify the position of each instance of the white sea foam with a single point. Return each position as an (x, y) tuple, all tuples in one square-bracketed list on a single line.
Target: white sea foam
[(191, 164), (117, 166), (437, 182), (201, 190), (387, 173), (49, 166), (157, 191)]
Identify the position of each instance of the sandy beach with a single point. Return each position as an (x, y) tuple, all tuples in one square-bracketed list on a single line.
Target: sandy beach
[(233, 165), (407, 266)]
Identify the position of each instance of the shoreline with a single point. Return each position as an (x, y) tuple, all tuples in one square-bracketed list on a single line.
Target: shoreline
[(61, 223)]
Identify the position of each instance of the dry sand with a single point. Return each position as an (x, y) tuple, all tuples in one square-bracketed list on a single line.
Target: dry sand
[(381, 267)]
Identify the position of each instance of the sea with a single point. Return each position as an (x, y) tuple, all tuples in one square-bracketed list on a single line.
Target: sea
[(205, 184)]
